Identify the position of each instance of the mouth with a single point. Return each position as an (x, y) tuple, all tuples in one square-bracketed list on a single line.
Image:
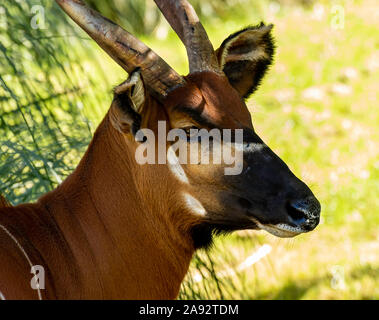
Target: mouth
[(281, 230)]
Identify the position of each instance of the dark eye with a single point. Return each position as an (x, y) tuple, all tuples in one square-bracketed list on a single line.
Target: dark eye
[(188, 129), (191, 132)]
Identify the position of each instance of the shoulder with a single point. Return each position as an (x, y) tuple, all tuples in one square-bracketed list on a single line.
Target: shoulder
[(18, 253), (15, 271)]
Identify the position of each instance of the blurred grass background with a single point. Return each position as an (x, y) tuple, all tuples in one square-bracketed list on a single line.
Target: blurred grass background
[(317, 108)]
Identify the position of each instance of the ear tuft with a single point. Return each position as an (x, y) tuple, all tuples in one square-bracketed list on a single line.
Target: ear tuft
[(129, 99), (245, 57)]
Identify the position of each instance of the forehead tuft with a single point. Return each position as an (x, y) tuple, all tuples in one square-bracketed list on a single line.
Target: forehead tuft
[(213, 96)]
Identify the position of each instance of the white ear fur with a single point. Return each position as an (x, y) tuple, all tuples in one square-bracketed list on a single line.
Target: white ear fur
[(245, 57), (135, 90), (252, 35), (128, 102)]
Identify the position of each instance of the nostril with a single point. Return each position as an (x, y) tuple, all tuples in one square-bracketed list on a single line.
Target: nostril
[(296, 213)]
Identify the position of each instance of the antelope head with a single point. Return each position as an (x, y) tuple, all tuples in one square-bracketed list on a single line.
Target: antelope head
[(265, 194)]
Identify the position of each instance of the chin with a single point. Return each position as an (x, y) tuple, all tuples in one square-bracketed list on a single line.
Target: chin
[(203, 234)]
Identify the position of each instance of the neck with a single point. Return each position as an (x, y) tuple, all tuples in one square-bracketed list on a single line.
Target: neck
[(122, 228)]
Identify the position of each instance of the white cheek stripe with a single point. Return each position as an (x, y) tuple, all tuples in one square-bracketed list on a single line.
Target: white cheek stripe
[(175, 167), (2, 296), (23, 251), (194, 205)]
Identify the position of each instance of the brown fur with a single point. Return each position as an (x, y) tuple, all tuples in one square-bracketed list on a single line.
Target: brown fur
[(108, 232), (3, 202), (89, 232), (115, 229)]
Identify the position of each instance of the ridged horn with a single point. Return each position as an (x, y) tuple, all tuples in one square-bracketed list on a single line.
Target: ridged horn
[(129, 52), (185, 22)]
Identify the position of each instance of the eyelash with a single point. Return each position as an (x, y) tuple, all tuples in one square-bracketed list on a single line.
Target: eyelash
[(187, 130)]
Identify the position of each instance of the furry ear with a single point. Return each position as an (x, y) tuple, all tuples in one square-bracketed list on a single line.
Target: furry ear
[(129, 99), (245, 56)]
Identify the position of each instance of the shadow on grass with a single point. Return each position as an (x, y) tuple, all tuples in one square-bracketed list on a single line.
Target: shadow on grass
[(367, 270), (296, 290)]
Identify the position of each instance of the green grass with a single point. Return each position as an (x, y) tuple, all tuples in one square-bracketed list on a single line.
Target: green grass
[(331, 141), (317, 108)]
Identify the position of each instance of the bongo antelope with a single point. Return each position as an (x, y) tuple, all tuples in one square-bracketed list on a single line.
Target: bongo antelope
[(116, 229)]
